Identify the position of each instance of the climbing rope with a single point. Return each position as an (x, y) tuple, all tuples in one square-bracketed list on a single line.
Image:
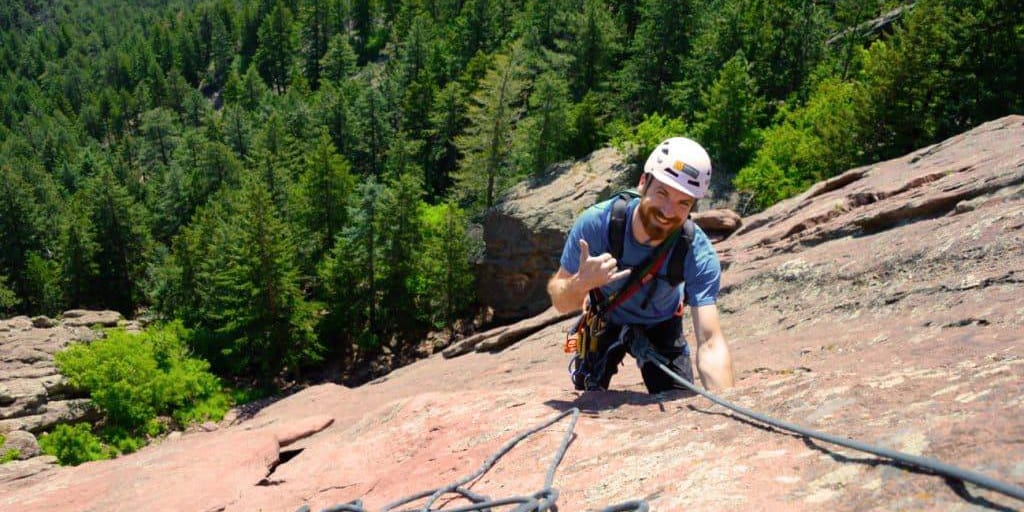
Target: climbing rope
[(640, 347), (539, 501)]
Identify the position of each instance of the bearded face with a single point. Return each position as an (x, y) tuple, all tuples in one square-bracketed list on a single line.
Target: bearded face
[(662, 209)]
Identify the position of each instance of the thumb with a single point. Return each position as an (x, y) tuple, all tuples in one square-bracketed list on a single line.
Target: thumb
[(584, 250)]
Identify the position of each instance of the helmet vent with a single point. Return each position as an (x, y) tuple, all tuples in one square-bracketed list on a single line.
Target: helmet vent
[(694, 183), (670, 171)]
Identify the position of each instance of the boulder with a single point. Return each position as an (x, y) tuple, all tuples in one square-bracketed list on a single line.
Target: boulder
[(22, 441), (524, 233), (43, 322), (717, 224), (85, 318)]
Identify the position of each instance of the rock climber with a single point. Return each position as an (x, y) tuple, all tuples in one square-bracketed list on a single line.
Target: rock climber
[(633, 261)]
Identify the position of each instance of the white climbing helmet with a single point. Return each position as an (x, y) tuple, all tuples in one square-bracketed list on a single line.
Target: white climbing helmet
[(681, 164)]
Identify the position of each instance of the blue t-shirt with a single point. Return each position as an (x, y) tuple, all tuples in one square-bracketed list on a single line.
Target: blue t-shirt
[(701, 270)]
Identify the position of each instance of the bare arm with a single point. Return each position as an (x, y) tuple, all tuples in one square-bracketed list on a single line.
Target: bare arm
[(714, 363), (567, 291)]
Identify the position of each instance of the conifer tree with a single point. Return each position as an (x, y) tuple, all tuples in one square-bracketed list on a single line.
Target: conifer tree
[(79, 249), (274, 54), (446, 121), (339, 61), (253, 90), (656, 56), (222, 51), (728, 125), (160, 137), (486, 144), (594, 43), (544, 134), (326, 185), (253, 300), (444, 276), (350, 274), (122, 241), (314, 34)]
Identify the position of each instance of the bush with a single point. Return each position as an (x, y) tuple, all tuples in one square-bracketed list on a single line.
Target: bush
[(808, 144), (133, 378), (636, 142), (9, 455), (74, 444)]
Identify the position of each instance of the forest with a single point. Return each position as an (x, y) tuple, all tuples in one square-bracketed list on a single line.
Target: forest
[(296, 182)]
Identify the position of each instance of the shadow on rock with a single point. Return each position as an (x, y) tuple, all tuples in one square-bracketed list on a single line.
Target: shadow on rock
[(597, 401)]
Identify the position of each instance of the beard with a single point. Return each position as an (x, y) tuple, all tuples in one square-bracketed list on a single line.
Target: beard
[(655, 223)]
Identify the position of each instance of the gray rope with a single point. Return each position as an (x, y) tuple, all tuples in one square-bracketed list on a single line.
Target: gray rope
[(542, 500), (643, 351)]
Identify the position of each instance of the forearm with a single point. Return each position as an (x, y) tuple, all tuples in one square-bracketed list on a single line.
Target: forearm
[(566, 293), (714, 363)]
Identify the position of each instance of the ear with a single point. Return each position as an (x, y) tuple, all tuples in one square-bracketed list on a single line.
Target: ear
[(642, 186)]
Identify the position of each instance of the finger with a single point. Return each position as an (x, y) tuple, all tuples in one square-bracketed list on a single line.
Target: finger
[(608, 265), (584, 250), (603, 257), (620, 274)]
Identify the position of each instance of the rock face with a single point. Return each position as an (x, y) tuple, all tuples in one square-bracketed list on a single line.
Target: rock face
[(525, 232), (905, 334), (33, 395)]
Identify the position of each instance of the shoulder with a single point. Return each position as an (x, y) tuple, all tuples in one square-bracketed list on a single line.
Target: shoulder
[(595, 217), (702, 254)]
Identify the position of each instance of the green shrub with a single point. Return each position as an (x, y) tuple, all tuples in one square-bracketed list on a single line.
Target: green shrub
[(811, 143), (636, 142), (12, 454), (74, 444), (9, 455), (133, 378)]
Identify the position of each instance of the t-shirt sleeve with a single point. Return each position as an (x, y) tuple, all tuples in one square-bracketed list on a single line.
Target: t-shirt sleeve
[(588, 226), (702, 273)]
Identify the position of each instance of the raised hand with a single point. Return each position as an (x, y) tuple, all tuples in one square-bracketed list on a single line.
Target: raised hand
[(597, 270)]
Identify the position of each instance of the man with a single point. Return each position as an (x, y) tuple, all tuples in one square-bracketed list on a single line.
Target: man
[(676, 175)]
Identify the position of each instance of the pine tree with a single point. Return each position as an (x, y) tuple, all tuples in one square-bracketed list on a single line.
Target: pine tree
[(370, 129), (274, 55), (313, 39), (80, 269), (222, 51), (594, 43), (544, 135), (339, 61), (122, 242), (486, 145), (19, 228), (400, 234), (728, 125), (350, 274), (656, 56), (444, 277), (237, 130), (159, 135), (446, 121), (253, 90), (326, 186), (335, 116), (253, 299)]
